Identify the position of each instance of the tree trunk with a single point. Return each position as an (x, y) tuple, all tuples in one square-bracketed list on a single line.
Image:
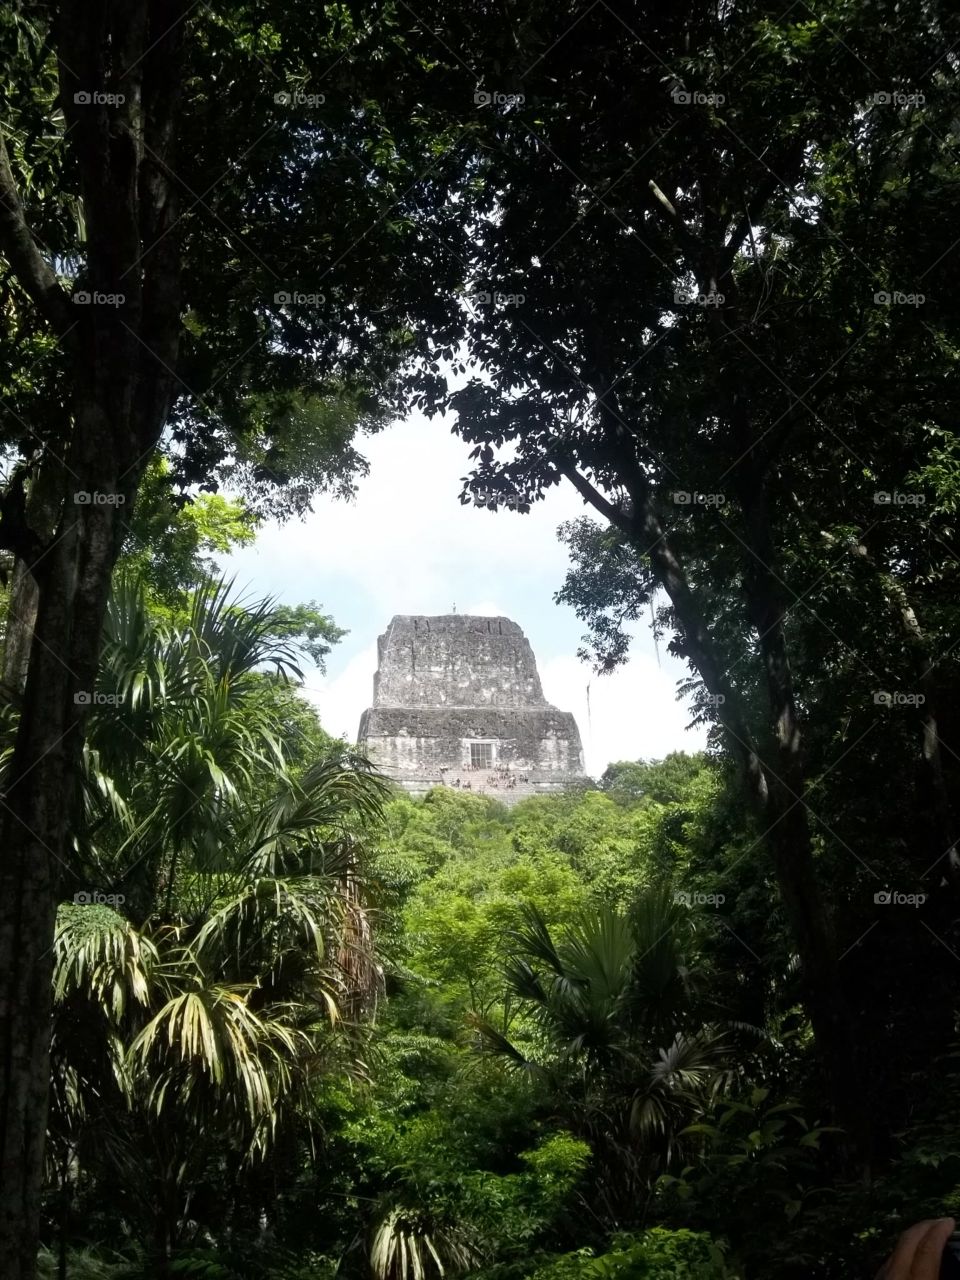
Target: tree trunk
[(21, 619), (160, 1263), (66, 1199), (122, 386), (775, 794), (36, 821), (934, 799), (790, 839), (41, 513), (33, 836)]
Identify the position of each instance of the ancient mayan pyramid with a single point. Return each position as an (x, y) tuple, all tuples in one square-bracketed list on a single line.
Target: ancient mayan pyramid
[(457, 700)]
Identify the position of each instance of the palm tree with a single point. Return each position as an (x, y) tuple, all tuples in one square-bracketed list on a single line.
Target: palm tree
[(610, 1010), (187, 738), (191, 1020)]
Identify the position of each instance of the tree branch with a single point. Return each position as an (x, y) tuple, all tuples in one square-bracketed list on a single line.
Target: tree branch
[(596, 499), (16, 534), (745, 225), (33, 272), (662, 205)]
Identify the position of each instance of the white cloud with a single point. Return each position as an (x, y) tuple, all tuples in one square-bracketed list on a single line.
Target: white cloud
[(406, 544)]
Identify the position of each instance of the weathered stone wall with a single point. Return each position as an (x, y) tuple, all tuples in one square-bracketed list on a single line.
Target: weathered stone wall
[(455, 660), (528, 738), (446, 682)]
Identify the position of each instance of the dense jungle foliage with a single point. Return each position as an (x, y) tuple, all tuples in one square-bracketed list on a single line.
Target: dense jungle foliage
[(698, 264), (305, 1027)]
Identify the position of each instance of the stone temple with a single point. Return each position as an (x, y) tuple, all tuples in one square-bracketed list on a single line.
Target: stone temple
[(457, 702)]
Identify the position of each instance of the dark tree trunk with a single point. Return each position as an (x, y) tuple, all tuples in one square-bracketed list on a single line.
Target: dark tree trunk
[(788, 815), (21, 619), (122, 373), (66, 1200), (33, 834), (160, 1262), (41, 513), (775, 789), (36, 823)]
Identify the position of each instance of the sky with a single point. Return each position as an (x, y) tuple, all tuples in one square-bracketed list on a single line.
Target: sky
[(406, 545)]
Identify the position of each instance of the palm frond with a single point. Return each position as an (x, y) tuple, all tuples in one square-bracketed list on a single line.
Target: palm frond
[(679, 1086), (239, 633), (207, 1050), (660, 980), (98, 952), (533, 940), (408, 1242), (132, 665), (495, 1042), (598, 952), (341, 791)]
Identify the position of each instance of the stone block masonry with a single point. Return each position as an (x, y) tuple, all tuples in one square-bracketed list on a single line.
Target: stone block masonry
[(457, 702)]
